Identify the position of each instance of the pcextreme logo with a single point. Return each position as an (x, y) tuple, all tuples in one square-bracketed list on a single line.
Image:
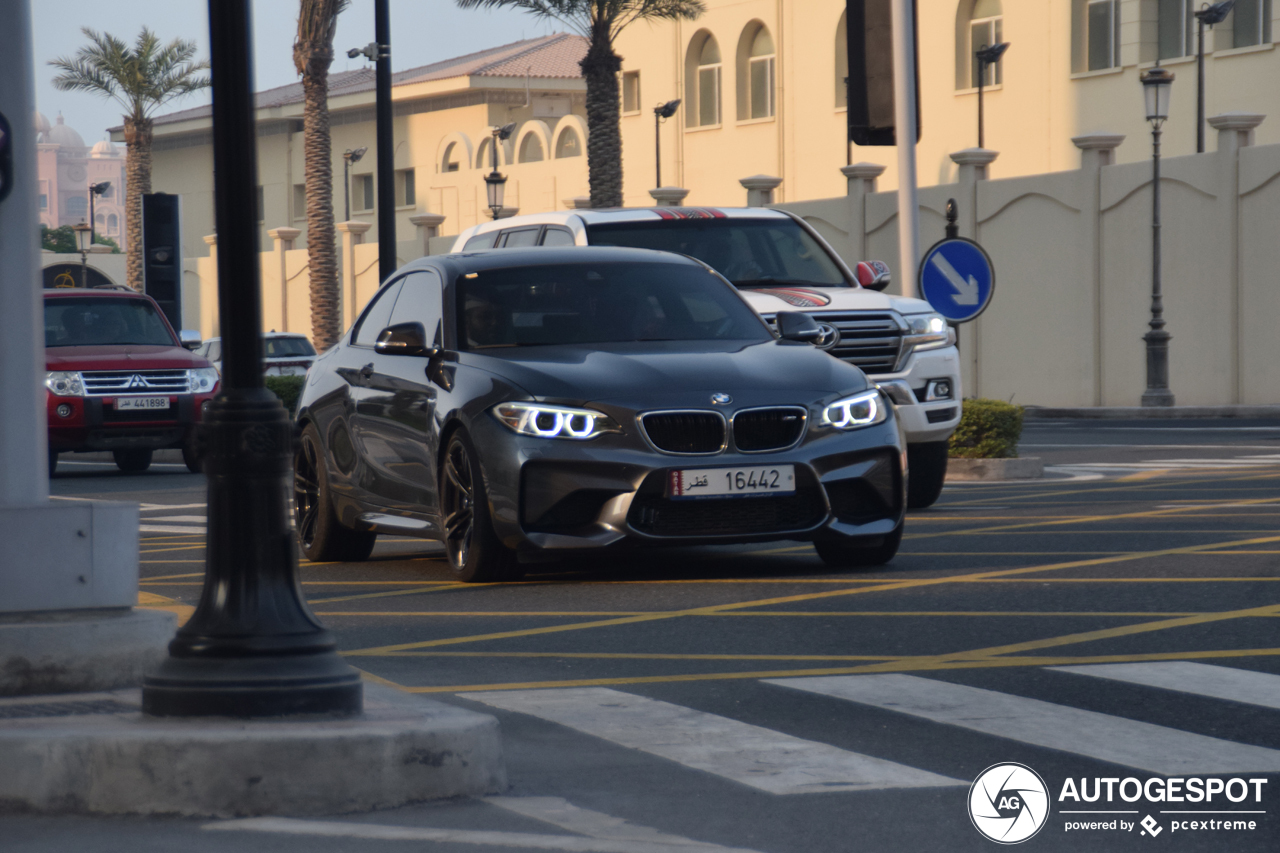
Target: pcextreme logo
[(1008, 803)]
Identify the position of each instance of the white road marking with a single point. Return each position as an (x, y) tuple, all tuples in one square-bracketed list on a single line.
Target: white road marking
[(170, 528), (62, 462), (157, 507), (764, 759), (558, 811), (1116, 740), (199, 519), (1202, 679), (525, 840)]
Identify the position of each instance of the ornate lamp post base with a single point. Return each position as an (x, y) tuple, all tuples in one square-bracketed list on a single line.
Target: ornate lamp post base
[(1157, 393)]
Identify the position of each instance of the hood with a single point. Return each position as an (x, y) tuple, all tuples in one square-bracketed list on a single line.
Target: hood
[(771, 300), (132, 357), (675, 373)]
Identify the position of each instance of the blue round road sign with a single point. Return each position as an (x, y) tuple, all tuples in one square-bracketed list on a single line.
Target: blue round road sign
[(957, 279)]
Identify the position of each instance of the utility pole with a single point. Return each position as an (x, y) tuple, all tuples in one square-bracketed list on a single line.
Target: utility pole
[(386, 145), (904, 120)]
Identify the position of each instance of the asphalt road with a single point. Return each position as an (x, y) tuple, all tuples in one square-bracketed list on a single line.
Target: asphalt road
[(1115, 620)]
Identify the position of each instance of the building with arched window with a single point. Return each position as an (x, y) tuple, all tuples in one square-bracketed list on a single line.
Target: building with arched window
[(65, 169)]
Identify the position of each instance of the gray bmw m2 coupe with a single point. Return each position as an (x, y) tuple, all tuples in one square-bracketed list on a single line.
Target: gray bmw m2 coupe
[(523, 404)]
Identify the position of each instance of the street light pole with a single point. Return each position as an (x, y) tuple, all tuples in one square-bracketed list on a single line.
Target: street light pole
[(252, 648), (1156, 83), (1209, 15), (351, 155), (95, 189), (495, 182), (987, 56), (661, 113), (84, 239), (386, 145)]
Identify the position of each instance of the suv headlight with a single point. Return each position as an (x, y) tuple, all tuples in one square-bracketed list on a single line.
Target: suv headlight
[(545, 421), (860, 410), (64, 383), (928, 331), (201, 380)]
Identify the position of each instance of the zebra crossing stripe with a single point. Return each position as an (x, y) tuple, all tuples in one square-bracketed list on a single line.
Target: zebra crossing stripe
[(764, 759), (1116, 740), (1201, 679)]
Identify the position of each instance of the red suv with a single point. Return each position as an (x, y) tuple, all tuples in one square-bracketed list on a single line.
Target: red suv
[(119, 379)]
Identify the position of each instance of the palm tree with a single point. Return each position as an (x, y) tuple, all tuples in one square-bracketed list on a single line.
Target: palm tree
[(601, 21), (141, 79), (312, 56)]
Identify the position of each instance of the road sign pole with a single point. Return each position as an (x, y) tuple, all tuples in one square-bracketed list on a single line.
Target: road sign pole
[(904, 108)]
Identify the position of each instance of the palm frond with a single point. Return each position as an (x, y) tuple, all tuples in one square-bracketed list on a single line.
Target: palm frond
[(141, 79), (317, 25), (592, 18)]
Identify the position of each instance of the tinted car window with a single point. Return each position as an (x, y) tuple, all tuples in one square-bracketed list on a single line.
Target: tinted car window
[(419, 302), (557, 237), (748, 252), (376, 316), (601, 303), (480, 241), (521, 238), (100, 321), (285, 347)]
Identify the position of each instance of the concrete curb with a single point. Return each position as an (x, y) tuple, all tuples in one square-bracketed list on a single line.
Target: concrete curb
[(1024, 468), (1108, 412), (402, 749), (80, 650)]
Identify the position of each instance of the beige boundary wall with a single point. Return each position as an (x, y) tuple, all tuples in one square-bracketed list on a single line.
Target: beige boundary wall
[(1072, 253)]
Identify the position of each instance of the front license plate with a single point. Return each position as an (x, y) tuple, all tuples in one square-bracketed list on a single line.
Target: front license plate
[(731, 482), (125, 404)]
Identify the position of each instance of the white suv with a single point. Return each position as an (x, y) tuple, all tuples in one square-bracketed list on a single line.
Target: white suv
[(780, 263)]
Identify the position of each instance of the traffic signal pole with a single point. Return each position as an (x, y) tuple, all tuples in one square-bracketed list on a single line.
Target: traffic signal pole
[(904, 106)]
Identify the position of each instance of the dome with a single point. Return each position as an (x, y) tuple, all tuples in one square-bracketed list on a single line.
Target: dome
[(42, 123), (63, 135), (103, 148)]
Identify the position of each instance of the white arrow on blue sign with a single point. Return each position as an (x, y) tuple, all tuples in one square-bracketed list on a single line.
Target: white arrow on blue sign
[(957, 279)]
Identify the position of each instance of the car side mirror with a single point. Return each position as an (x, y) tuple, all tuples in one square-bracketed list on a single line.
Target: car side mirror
[(405, 339), (873, 275), (190, 339), (797, 326)]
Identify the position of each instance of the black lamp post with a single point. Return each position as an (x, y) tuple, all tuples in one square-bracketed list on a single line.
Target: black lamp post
[(1156, 85), (495, 183), (95, 189), (1208, 14), (987, 56), (252, 648), (378, 52), (661, 113), (84, 239), (351, 155)]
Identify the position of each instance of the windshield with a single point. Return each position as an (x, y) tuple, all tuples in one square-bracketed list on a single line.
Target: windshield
[(601, 303), (103, 321), (285, 347), (748, 252)]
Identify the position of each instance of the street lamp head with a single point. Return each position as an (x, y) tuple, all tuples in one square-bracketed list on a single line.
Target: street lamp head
[(992, 54), (100, 188), (83, 238), (495, 187), (504, 133), (667, 110), (1156, 86), (1215, 13), (369, 52), (353, 155)]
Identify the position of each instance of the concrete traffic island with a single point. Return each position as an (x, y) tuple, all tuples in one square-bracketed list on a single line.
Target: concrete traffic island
[(1018, 468), (101, 755)]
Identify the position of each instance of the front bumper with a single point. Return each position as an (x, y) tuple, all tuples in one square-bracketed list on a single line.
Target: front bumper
[(925, 420), (94, 424), (554, 495)]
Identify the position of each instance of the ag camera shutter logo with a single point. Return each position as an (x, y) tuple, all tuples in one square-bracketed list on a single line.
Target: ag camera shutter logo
[(1008, 803)]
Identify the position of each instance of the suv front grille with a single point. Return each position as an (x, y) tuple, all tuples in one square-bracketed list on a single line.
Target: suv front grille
[(103, 383), (756, 430), (685, 432), (871, 340)]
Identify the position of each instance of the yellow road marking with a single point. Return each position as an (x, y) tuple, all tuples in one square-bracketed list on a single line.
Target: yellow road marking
[(1143, 475), (151, 601), (415, 591), (1131, 580), (175, 548), (799, 613), (365, 675), (168, 577)]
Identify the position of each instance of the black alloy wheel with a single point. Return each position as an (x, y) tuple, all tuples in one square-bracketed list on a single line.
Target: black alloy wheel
[(321, 535), (475, 554), (927, 472), (842, 554), (192, 455), (132, 461)]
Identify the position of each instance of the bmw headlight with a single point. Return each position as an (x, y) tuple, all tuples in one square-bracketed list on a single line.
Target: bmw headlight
[(64, 383), (928, 331), (544, 421), (860, 410), (200, 380)]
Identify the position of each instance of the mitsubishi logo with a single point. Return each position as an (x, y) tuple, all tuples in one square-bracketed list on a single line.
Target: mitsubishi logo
[(138, 382)]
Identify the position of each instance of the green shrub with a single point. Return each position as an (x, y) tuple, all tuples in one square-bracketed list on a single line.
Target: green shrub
[(989, 429), (287, 388)]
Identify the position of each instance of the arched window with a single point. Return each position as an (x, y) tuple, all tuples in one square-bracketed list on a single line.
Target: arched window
[(979, 24), (113, 224), (531, 149), (842, 61), (756, 72), (702, 81), (568, 145), (99, 219), (449, 162), (484, 154)]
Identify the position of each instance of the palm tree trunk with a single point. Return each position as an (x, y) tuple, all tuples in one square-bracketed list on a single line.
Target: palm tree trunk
[(326, 304), (137, 166), (600, 67)]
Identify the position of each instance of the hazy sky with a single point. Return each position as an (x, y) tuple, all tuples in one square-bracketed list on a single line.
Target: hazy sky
[(422, 31)]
